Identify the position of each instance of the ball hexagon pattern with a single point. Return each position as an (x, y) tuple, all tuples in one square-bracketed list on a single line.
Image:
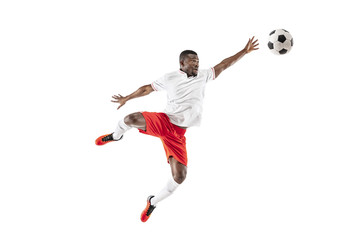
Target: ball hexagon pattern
[(280, 41)]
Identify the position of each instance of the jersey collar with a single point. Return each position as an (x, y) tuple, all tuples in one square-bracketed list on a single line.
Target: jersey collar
[(184, 73)]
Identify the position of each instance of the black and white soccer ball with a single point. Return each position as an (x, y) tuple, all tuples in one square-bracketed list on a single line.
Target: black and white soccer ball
[(280, 41)]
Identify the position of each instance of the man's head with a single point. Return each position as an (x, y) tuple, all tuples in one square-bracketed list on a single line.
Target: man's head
[(189, 62)]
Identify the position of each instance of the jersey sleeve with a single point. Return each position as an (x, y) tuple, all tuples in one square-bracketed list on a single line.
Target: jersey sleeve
[(159, 84), (210, 74)]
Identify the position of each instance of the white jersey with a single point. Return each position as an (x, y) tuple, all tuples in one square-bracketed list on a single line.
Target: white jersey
[(184, 95)]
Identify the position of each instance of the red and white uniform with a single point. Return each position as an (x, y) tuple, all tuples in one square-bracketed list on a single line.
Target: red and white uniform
[(184, 95), (184, 108)]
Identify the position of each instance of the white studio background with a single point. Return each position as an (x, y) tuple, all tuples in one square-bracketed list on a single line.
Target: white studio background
[(277, 155)]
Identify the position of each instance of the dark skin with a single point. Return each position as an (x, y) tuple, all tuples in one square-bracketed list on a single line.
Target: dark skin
[(190, 65)]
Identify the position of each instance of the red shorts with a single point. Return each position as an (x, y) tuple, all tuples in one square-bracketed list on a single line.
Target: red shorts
[(172, 136)]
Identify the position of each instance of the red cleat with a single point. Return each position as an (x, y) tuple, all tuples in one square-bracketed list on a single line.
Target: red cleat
[(104, 139), (148, 210)]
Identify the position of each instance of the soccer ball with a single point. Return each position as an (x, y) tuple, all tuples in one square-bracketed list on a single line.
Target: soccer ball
[(280, 41)]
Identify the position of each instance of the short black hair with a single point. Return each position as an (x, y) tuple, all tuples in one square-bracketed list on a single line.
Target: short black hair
[(184, 54)]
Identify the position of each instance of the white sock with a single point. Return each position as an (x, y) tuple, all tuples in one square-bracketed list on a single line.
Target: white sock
[(165, 192), (121, 128)]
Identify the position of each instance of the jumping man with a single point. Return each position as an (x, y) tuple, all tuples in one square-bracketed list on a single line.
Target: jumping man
[(185, 92)]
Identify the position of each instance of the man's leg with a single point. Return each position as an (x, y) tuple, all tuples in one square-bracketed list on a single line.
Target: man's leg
[(178, 171), (132, 120), (136, 120)]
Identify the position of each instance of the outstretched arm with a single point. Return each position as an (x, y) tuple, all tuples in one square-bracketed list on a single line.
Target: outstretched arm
[(250, 46), (142, 91)]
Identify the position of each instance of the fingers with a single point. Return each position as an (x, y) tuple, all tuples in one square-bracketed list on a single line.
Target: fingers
[(254, 44), (117, 99), (120, 105), (251, 40)]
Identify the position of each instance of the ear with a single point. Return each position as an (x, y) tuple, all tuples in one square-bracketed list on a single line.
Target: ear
[(181, 63)]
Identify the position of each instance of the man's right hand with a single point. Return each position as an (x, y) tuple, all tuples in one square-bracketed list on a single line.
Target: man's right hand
[(119, 99), (142, 91)]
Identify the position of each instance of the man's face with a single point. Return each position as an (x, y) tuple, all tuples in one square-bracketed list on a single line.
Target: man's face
[(190, 65)]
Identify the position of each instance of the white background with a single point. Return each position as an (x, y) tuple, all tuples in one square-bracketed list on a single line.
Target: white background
[(277, 155)]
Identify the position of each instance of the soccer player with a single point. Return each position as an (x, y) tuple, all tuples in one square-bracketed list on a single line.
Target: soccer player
[(185, 92)]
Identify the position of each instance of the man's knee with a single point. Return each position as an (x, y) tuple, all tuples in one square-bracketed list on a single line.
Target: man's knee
[(178, 170), (180, 176), (134, 119)]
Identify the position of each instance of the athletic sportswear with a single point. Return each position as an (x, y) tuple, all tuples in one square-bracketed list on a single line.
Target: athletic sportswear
[(169, 188), (172, 136), (148, 210), (121, 128), (104, 139), (184, 95)]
